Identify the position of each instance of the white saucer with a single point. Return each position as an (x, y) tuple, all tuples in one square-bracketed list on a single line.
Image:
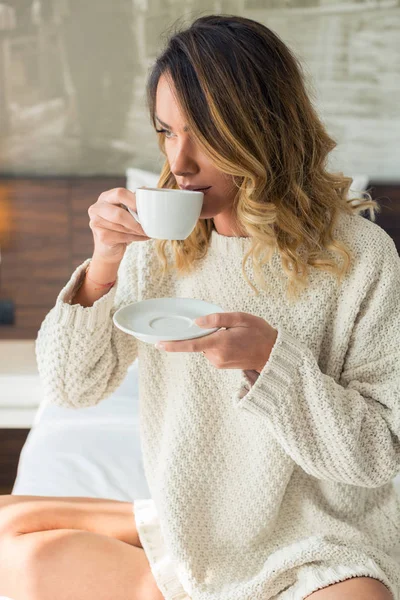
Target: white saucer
[(165, 319)]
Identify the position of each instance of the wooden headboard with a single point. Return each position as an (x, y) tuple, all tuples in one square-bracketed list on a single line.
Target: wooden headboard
[(50, 237)]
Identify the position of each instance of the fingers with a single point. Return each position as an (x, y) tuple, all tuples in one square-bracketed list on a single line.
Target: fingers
[(110, 237), (110, 216), (109, 208), (197, 345), (119, 196)]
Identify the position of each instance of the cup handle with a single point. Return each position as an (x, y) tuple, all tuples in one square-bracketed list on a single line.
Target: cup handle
[(132, 212), (134, 215)]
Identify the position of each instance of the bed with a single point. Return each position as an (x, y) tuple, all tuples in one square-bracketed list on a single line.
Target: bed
[(93, 452)]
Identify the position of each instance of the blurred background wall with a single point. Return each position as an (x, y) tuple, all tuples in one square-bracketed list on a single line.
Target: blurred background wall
[(73, 116), (72, 77)]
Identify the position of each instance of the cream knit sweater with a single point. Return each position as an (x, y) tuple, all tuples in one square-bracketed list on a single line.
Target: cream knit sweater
[(259, 491)]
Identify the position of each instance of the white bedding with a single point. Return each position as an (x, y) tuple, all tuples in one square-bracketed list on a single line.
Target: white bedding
[(92, 452)]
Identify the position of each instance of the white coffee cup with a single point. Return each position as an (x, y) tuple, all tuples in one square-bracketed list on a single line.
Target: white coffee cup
[(166, 214)]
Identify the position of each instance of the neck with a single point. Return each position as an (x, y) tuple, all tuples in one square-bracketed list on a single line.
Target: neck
[(227, 229)]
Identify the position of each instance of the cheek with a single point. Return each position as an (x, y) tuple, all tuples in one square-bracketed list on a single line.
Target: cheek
[(168, 153), (229, 191), (227, 183)]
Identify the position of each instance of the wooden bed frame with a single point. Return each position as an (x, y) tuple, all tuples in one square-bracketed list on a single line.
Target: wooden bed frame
[(50, 237)]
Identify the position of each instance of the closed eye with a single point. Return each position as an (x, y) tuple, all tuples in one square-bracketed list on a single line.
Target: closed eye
[(164, 131)]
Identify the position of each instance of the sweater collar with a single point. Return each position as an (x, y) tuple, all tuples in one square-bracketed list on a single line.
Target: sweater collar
[(226, 244)]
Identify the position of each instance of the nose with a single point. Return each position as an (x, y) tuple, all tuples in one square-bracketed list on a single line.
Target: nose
[(182, 160)]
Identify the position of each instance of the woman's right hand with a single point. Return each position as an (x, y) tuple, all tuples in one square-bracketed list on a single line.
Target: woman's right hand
[(113, 226)]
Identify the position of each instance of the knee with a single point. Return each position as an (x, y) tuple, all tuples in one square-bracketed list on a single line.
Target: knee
[(17, 559), (13, 510), (44, 550), (7, 515), (5, 499), (33, 553)]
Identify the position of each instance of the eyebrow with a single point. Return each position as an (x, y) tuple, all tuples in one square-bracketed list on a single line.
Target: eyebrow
[(186, 128)]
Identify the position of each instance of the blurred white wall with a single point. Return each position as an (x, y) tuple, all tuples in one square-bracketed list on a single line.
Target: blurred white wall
[(72, 78)]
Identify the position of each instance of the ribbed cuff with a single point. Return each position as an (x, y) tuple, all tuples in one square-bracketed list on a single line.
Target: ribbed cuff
[(75, 315), (277, 376), (161, 565), (248, 380)]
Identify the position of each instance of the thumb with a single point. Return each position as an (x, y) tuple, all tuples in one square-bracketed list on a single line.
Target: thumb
[(218, 320)]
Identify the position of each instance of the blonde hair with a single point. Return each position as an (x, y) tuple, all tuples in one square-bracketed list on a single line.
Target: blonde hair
[(243, 94)]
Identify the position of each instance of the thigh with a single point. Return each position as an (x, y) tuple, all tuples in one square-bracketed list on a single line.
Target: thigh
[(69, 564), (27, 514), (356, 588)]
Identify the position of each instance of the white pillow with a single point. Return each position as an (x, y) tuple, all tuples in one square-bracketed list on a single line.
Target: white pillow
[(359, 184), (137, 177)]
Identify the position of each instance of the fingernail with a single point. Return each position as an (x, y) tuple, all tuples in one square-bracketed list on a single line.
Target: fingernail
[(159, 346), (200, 321)]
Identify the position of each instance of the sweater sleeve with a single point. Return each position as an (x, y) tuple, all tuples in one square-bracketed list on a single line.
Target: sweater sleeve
[(82, 356), (347, 430)]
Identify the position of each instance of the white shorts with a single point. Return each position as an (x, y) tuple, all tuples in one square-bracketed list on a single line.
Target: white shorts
[(162, 567)]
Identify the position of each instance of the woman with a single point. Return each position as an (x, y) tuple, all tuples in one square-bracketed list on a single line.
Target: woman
[(270, 445)]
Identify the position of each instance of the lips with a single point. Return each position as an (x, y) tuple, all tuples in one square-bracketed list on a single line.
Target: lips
[(194, 188)]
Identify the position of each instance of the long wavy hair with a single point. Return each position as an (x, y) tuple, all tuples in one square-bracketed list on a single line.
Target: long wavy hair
[(243, 94)]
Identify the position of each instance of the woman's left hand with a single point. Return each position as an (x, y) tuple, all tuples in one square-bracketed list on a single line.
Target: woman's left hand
[(245, 342)]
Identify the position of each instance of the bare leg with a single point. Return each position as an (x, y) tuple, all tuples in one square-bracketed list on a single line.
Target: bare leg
[(70, 564), (27, 514)]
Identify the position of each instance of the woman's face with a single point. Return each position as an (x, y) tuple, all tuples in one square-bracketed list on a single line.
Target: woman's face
[(190, 165)]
